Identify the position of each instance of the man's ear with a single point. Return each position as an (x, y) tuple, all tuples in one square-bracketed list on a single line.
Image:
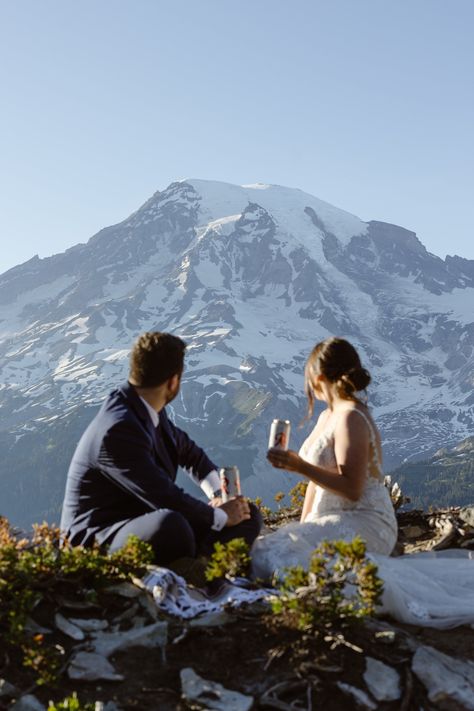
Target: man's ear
[(173, 382)]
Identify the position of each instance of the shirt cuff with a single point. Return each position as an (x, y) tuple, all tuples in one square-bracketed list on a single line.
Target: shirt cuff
[(220, 520), (210, 484)]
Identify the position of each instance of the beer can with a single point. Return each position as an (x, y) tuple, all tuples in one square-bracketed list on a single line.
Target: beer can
[(230, 482), (279, 434)]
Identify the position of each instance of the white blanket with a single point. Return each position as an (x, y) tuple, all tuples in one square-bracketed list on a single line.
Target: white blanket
[(173, 595)]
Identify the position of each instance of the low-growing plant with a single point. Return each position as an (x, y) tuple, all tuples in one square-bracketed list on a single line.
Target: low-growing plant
[(30, 569), (279, 496), (340, 586), (71, 703), (264, 510), (297, 494), (229, 560)]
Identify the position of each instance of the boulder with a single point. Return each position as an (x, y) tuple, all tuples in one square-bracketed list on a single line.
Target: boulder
[(211, 695)]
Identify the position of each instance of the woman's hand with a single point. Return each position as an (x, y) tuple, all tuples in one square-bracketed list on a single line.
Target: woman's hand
[(289, 460)]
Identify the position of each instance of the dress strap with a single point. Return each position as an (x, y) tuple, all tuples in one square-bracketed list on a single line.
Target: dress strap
[(373, 439)]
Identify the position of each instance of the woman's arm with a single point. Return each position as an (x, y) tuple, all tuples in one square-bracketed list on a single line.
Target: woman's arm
[(351, 447), (308, 501)]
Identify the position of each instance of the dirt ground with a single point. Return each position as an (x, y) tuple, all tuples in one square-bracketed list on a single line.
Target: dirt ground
[(275, 665), (250, 656)]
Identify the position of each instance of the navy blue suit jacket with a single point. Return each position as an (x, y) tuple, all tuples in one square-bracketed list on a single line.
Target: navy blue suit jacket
[(123, 468)]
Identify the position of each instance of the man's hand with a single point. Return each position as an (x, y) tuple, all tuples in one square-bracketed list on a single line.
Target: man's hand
[(237, 510), (215, 502)]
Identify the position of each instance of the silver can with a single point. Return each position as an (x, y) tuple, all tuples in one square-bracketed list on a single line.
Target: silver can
[(230, 482), (279, 434)]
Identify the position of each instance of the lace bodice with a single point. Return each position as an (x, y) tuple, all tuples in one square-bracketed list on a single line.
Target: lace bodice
[(375, 497)]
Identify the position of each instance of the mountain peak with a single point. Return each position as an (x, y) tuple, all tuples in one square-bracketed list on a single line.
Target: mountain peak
[(245, 274)]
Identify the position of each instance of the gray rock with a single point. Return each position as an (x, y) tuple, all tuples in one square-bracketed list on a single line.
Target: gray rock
[(68, 628), (109, 706), (89, 666), (155, 635), (28, 703), (128, 613), (212, 619), (448, 681), (89, 624), (210, 694), (124, 590), (382, 681), (149, 605), (360, 697), (7, 689), (467, 515)]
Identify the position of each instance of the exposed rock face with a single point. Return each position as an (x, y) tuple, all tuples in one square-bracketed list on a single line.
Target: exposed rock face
[(251, 277)]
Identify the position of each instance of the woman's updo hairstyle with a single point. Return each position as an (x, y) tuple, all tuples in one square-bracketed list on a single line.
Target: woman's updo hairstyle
[(339, 362)]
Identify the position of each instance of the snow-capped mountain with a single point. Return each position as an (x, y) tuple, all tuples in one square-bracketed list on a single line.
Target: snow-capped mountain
[(251, 277)]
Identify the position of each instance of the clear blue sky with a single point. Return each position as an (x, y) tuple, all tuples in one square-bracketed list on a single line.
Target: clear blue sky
[(368, 104)]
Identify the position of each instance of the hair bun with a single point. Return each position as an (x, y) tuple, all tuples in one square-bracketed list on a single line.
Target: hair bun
[(359, 377)]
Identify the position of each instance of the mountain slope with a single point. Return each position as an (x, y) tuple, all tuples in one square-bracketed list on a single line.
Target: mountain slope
[(251, 277), (445, 479)]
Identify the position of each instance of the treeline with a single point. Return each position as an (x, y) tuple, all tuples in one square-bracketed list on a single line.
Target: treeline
[(447, 479)]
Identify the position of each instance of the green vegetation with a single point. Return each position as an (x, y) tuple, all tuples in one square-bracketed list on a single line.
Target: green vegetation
[(32, 570), (297, 494), (447, 479), (340, 586), (229, 560), (70, 703), (264, 510)]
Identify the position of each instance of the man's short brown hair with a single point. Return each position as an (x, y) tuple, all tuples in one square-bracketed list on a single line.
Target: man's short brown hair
[(156, 357)]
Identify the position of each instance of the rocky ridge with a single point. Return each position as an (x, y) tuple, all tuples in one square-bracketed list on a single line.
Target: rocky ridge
[(121, 650)]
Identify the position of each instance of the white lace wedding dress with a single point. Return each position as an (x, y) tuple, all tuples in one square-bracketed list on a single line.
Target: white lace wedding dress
[(427, 589)]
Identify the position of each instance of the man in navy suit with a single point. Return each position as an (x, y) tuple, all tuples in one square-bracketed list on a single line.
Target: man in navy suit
[(121, 479)]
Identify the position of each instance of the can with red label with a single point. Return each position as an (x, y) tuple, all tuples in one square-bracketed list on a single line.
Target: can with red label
[(279, 434), (230, 482)]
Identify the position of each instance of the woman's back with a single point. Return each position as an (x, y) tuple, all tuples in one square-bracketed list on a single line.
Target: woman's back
[(373, 510)]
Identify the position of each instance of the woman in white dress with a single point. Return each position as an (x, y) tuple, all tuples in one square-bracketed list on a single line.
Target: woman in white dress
[(346, 497), (341, 459)]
